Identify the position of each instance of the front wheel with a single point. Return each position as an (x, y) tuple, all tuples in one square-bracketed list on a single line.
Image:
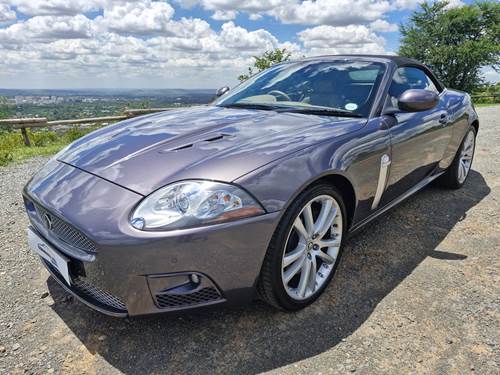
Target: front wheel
[(304, 251), (457, 173)]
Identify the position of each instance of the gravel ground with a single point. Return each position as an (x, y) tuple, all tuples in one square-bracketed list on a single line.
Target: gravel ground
[(416, 292)]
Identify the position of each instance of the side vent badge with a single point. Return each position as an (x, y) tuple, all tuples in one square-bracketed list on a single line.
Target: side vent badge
[(385, 161)]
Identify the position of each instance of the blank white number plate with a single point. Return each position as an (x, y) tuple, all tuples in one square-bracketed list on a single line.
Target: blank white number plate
[(47, 252)]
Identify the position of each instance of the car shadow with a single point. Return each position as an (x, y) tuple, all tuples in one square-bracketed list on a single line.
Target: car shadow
[(257, 338)]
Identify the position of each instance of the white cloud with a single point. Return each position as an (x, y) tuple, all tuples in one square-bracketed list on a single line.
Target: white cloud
[(383, 26), (407, 4), (224, 15), (145, 47), (255, 16), (236, 37), (137, 17), (332, 12), (6, 14), (253, 6), (454, 4), (56, 7), (145, 42), (309, 12), (229, 9), (44, 28), (341, 40), (187, 4), (413, 4)]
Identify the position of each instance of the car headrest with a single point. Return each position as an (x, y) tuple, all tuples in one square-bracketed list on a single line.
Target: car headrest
[(322, 86)]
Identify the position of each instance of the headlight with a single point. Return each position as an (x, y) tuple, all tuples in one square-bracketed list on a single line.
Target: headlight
[(193, 203)]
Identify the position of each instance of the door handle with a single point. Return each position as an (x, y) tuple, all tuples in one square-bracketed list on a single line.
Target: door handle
[(443, 119)]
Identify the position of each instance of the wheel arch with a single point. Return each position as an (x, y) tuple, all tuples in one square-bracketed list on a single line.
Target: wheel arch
[(346, 190), (339, 181), (475, 125)]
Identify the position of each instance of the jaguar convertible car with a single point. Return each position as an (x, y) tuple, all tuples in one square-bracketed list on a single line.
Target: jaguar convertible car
[(249, 197)]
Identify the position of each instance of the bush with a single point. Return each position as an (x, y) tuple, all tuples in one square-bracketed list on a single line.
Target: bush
[(43, 142), (490, 93), (42, 138)]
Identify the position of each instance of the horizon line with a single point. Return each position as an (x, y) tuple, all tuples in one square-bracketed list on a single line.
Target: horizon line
[(105, 88)]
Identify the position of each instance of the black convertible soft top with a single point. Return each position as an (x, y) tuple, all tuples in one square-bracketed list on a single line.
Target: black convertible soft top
[(396, 60)]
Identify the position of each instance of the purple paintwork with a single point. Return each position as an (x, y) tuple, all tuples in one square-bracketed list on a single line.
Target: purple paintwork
[(98, 180), (203, 142)]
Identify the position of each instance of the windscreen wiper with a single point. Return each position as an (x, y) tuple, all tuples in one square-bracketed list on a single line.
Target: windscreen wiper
[(321, 111), (266, 107)]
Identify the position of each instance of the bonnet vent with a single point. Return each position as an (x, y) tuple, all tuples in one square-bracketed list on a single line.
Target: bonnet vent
[(189, 145)]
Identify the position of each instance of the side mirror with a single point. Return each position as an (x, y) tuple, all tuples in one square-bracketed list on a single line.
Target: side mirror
[(221, 91), (417, 100)]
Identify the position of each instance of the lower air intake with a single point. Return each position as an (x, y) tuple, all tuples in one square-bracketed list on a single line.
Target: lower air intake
[(99, 295), (204, 295), (90, 294)]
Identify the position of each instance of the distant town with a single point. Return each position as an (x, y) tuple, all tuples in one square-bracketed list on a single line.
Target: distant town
[(68, 104)]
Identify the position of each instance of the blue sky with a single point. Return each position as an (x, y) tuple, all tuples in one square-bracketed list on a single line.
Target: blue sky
[(181, 43), (287, 32)]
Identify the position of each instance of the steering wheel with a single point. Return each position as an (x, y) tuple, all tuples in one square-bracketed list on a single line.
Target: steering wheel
[(278, 93)]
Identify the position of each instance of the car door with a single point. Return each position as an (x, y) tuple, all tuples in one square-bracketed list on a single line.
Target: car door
[(419, 139)]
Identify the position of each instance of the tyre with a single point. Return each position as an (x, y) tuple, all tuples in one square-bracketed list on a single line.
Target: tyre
[(456, 175), (305, 249)]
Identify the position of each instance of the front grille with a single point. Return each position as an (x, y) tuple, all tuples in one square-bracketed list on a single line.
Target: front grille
[(64, 231), (99, 295), (203, 295)]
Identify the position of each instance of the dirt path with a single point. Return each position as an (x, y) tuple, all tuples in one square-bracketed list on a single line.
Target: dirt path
[(417, 291)]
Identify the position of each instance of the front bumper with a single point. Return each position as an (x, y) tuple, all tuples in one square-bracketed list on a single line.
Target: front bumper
[(137, 273)]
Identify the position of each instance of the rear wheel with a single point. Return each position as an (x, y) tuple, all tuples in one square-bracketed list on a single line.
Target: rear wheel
[(457, 173), (305, 249)]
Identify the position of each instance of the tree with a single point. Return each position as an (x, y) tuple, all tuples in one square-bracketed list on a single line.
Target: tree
[(266, 60), (3, 107), (456, 43)]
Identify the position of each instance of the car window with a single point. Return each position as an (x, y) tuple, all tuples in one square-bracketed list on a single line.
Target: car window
[(407, 78), (364, 74), (346, 85)]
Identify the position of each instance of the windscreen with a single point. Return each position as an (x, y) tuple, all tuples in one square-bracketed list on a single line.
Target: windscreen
[(346, 86)]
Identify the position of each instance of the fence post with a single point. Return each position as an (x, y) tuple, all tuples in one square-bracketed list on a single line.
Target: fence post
[(25, 136), (39, 122)]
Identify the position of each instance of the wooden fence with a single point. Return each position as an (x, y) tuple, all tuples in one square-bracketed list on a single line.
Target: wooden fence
[(24, 123), (485, 96), (41, 122)]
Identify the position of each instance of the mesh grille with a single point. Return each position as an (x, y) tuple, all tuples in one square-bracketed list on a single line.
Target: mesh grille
[(178, 300), (97, 294), (65, 231)]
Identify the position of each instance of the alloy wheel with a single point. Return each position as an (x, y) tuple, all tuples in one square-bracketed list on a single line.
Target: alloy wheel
[(312, 247), (466, 155)]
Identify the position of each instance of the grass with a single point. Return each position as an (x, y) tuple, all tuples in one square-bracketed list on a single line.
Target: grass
[(485, 104), (43, 142)]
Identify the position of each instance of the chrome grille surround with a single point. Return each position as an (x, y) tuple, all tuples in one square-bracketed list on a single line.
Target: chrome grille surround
[(64, 231)]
